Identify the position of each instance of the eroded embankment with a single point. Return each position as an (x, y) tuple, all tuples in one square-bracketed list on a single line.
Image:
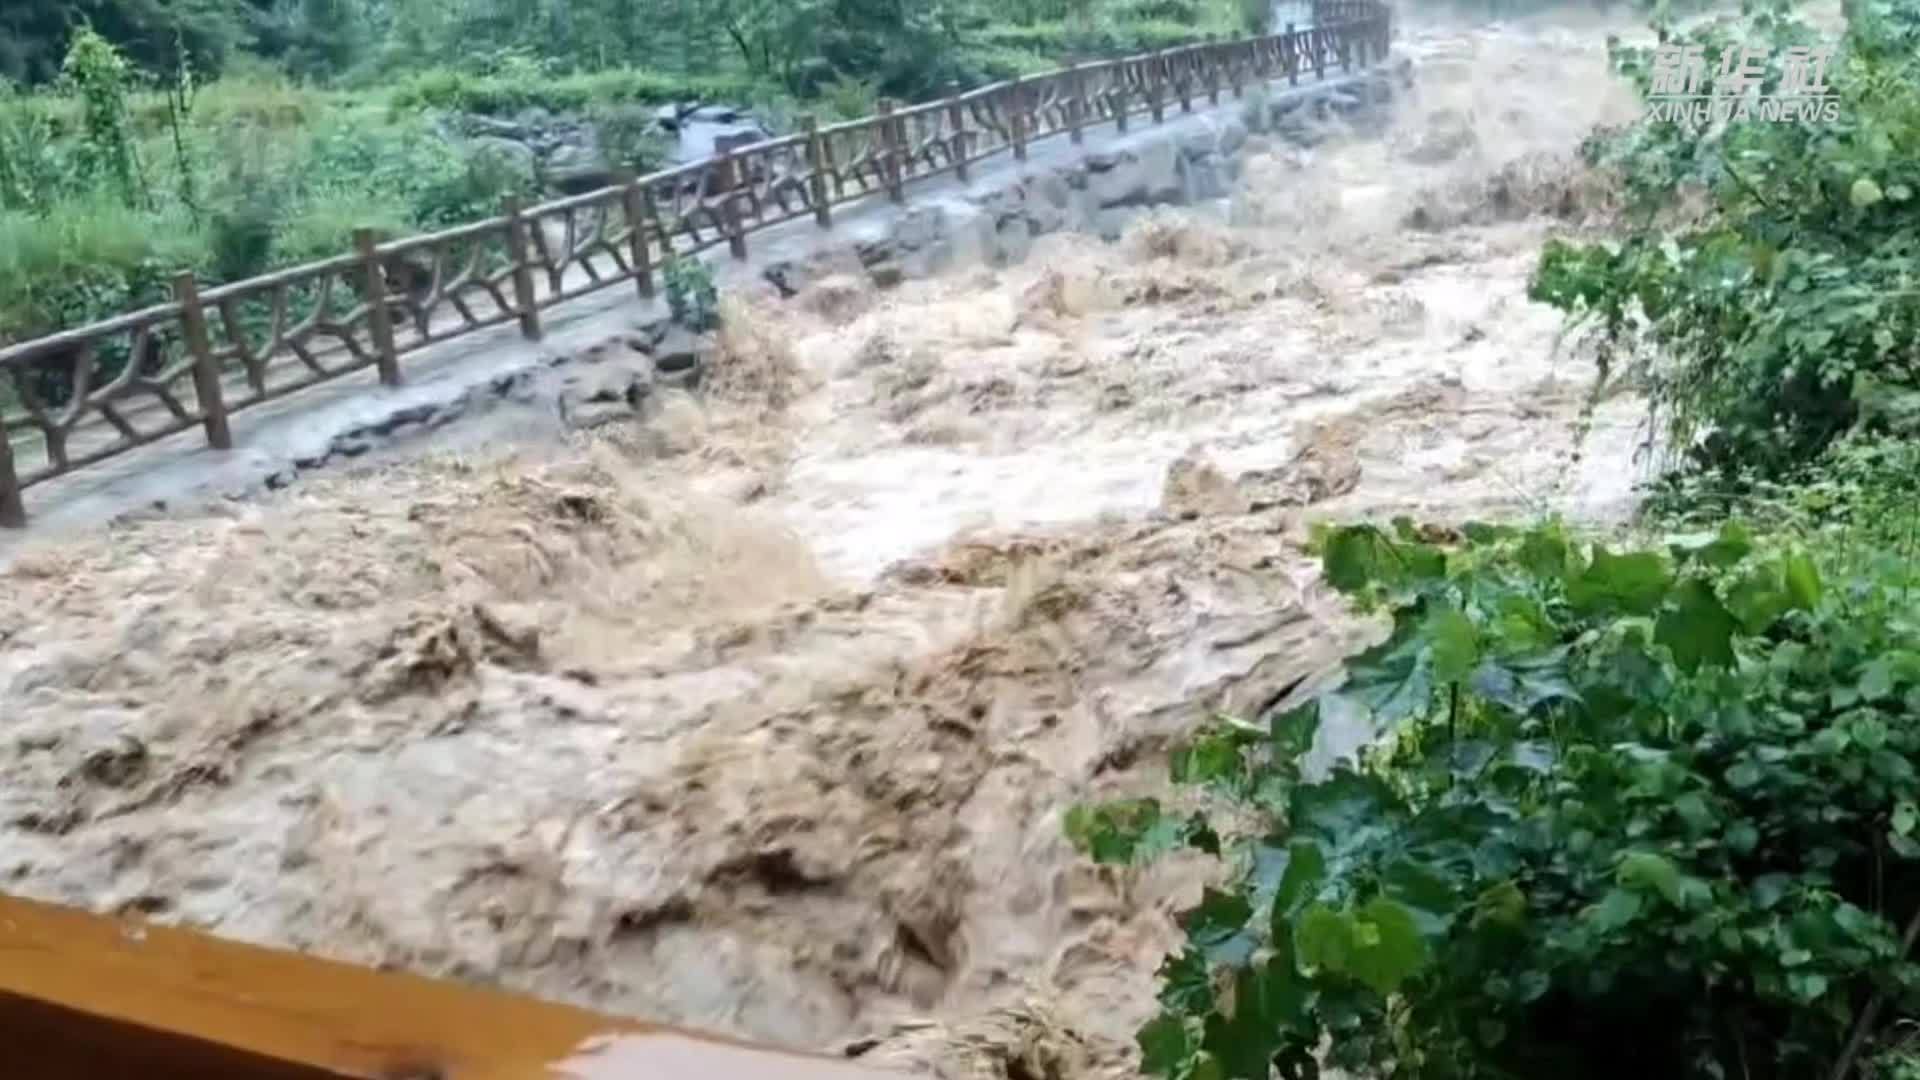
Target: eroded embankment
[(763, 716)]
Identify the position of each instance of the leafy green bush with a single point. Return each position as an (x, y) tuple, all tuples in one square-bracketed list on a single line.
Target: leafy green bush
[(429, 182), (692, 298), (445, 88), (1054, 41), (1646, 812), (34, 165), (847, 98), (1768, 322), (629, 137), (82, 257), (1856, 497)]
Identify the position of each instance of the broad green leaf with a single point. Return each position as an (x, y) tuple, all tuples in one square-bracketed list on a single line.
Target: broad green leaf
[(1769, 888), (1615, 910), (1324, 939), (1633, 583), (1346, 811), (1166, 1045), (1112, 831), (1306, 867), (1802, 580), (1454, 641), (1645, 869), (1869, 732), (1696, 628), (1218, 917), (1380, 945), (1650, 871), (1721, 549), (1876, 679), (1759, 598), (1186, 985), (1741, 837), (1859, 925), (1520, 625), (1864, 193), (1269, 1002), (1293, 731), (1530, 986), (1692, 809), (1544, 554), (1393, 680), (1807, 986), (1429, 896), (1352, 557), (1500, 904), (1483, 533), (1393, 950), (1212, 759), (1523, 683)]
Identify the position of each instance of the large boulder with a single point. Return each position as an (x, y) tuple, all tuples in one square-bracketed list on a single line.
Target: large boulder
[(1140, 177), (513, 158), (578, 166), (700, 138)]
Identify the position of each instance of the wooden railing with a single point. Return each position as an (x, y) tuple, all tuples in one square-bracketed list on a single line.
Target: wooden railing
[(89, 997), (101, 390)]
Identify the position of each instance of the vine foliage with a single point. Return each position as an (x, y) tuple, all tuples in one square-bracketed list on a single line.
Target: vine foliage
[(1764, 286), (1651, 810)]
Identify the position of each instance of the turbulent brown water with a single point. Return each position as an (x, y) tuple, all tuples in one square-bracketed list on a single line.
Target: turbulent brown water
[(763, 716)]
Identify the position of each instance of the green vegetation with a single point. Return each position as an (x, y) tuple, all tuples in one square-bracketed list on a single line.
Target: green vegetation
[(1783, 313), (692, 298), (1641, 805), (1645, 809)]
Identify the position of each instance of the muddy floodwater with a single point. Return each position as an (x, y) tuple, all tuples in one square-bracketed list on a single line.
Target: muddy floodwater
[(763, 716)]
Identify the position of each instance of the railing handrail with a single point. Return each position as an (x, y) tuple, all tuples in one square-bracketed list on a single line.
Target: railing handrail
[(35, 346), (683, 209)]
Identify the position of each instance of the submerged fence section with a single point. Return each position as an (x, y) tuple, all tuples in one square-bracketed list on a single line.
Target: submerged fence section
[(100, 390)]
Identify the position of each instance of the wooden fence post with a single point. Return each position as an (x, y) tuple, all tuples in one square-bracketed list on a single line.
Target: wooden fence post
[(1015, 99), (957, 120), (13, 512), (639, 250), (1156, 85), (1290, 56), (1317, 41), (1076, 102), (1184, 56), (206, 373), (726, 173), (1120, 95), (1237, 71), (816, 176), (379, 315), (889, 161), (519, 250)]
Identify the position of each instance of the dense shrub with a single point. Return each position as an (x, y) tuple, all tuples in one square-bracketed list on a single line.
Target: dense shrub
[(510, 93), (1781, 313), (1643, 812)]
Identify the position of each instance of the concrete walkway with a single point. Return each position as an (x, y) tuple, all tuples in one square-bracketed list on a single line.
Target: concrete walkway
[(273, 441)]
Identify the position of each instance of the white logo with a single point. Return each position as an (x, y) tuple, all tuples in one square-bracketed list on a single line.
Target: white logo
[(1682, 92)]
